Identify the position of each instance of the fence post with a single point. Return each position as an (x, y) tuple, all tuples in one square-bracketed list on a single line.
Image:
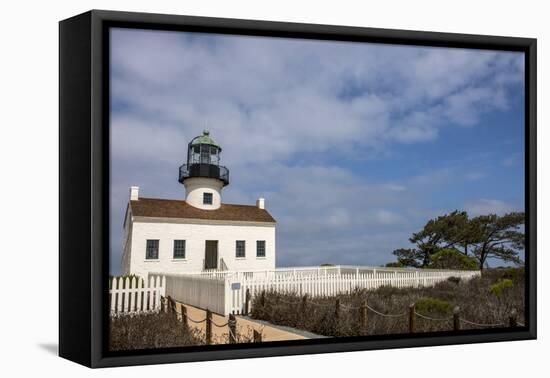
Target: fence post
[(262, 299), (257, 336), (456, 318), (208, 327), (162, 308), (184, 316), (303, 305), (337, 308), (173, 308), (232, 324), (247, 302), (411, 318), (169, 304), (364, 314), (513, 318)]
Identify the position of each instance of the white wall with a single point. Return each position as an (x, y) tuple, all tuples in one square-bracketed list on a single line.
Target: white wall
[(195, 236)]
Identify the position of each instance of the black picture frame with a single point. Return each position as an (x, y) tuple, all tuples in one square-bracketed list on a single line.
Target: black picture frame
[(84, 185)]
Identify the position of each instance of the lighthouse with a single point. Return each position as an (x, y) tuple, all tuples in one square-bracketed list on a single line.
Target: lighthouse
[(202, 175), (199, 232)]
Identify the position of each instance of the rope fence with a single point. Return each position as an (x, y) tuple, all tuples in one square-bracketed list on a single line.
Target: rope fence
[(412, 313), (169, 305), (363, 310)]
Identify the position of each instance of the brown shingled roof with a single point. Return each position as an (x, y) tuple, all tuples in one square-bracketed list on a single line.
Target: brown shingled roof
[(164, 208)]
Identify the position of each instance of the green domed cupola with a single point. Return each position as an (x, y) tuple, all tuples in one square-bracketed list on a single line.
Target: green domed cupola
[(205, 139)]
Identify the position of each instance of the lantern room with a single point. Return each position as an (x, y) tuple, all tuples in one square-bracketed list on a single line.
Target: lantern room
[(203, 160)]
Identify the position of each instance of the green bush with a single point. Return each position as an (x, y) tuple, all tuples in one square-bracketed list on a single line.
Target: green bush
[(433, 306), (500, 286), (394, 264), (449, 258)]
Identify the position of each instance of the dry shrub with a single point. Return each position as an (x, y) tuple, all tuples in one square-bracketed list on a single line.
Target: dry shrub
[(474, 297), (146, 331)]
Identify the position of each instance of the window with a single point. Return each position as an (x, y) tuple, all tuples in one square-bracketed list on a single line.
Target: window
[(205, 154), (207, 198), (240, 248), (260, 248), (179, 249), (152, 250)]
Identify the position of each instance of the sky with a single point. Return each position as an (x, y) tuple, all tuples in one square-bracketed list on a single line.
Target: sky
[(354, 146)]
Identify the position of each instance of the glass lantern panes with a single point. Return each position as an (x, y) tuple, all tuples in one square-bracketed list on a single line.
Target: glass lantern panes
[(204, 154)]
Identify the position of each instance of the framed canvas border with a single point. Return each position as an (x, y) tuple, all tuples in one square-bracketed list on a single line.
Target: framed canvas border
[(84, 186)]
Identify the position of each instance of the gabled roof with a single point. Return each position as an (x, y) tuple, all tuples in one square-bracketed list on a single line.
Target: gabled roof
[(164, 208)]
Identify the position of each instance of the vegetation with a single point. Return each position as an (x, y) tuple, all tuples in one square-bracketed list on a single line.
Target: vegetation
[(153, 330), (476, 298), (478, 238), (450, 258), (433, 307), (501, 285)]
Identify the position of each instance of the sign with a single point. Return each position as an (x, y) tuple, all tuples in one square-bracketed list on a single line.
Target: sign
[(235, 286)]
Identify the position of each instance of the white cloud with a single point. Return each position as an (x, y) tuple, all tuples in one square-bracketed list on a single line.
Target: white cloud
[(488, 206), (291, 96)]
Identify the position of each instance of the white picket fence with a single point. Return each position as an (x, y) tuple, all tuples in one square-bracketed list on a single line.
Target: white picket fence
[(225, 292), (199, 291), (319, 285), (133, 295)]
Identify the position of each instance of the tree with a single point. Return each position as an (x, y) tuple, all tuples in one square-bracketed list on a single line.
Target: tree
[(498, 237), (482, 237), (408, 257), (446, 231), (452, 258)]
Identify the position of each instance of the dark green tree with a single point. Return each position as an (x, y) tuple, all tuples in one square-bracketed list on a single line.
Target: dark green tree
[(446, 231), (498, 237), (482, 237), (452, 258)]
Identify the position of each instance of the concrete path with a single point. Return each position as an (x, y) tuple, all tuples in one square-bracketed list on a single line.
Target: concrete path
[(245, 327)]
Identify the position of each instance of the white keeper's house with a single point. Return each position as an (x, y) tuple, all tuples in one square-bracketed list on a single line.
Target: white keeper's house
[(201, 232)]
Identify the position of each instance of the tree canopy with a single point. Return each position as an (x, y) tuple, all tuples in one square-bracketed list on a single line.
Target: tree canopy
[(478, 238)]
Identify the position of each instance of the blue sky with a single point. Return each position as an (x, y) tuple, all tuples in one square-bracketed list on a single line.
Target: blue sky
[(354, 146)]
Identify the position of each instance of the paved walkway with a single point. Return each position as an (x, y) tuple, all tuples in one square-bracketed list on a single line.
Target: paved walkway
[(245, 327)]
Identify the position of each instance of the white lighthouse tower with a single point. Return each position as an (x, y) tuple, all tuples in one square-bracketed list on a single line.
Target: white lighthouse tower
[(203, 176)]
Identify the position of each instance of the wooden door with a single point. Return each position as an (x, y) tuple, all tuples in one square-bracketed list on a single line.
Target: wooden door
[(211, 254)]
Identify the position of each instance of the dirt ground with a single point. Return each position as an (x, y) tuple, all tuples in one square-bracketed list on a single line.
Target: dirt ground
[(245, 327)]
